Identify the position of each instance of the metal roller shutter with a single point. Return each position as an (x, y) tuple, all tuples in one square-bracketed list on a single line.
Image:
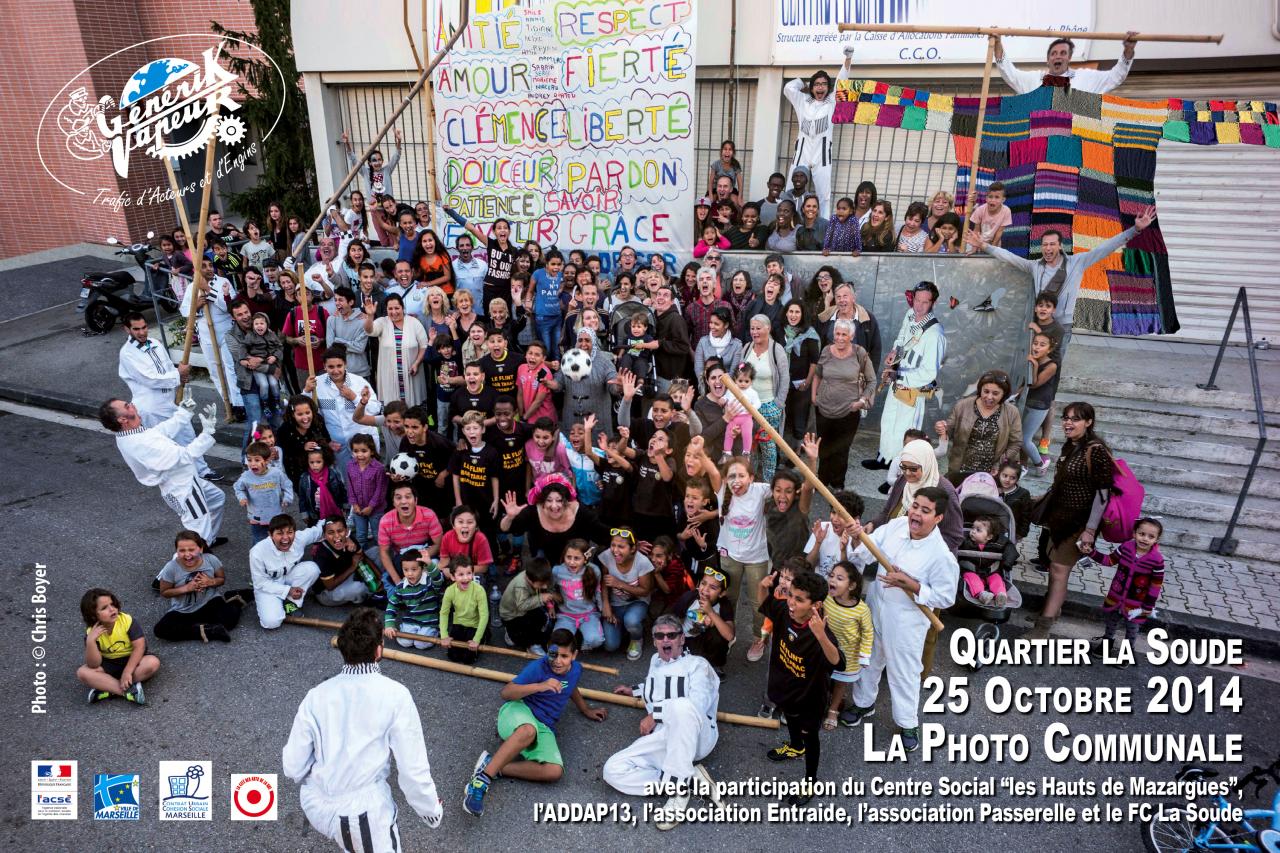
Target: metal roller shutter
[(1219, 211)]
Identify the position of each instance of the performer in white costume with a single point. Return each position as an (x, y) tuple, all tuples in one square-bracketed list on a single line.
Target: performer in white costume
[(917, 354), (217, 301), (925, 572), (152, 378), (340, 748), (156, 459), (280, 576), (1058, 61), (681, 694), (337, 393), (814, 107)]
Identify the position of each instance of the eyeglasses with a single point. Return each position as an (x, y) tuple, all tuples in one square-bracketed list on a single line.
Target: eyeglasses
[(666, 635), (908, 468), (623, 532), (1072, 418)]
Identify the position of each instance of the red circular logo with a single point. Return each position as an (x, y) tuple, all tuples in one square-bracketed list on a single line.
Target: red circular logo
[(254, 797)]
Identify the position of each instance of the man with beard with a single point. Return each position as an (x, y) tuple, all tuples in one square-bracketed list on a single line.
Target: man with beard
[(924, 572), (681, 694)]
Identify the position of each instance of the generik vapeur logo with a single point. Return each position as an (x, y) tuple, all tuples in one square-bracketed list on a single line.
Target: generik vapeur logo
[(186, 790), (169, 107)]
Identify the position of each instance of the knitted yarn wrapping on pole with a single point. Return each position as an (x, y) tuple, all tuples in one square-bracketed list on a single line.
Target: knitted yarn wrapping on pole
[(1076, 162)]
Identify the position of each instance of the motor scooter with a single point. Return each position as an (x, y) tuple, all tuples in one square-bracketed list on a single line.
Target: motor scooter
[(108, 296)]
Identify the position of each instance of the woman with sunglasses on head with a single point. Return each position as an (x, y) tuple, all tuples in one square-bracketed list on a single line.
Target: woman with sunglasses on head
[(629, 581)]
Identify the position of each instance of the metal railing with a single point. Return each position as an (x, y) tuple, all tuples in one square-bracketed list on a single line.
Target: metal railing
[(1224, 544)]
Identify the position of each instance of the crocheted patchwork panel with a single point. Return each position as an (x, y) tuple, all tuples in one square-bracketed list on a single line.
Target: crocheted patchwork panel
[(1075, 162)]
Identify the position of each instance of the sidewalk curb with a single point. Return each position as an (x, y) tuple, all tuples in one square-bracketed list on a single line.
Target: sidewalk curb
[(226, 434)]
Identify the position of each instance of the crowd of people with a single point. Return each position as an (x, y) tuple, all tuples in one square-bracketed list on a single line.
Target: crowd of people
[(501, 444)]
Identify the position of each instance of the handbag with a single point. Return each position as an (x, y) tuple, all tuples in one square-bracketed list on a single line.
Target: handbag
[(1039, 507)]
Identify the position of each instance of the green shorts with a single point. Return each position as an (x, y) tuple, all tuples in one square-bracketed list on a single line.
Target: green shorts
[(544, 749)]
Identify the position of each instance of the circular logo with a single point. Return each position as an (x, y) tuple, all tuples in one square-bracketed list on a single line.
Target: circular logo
[(254, 797)]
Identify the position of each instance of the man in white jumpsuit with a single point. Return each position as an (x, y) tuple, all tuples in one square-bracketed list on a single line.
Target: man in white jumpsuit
[(925, 572), (337, 393), (280, 576), (156, 459), (814, 108), (217, 297), (340, 748), (681, 694), (152, 378), (1059, 65), (917, 354)]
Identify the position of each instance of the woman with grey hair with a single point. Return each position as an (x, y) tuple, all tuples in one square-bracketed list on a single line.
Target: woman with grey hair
[(773, 378), (842, 390)]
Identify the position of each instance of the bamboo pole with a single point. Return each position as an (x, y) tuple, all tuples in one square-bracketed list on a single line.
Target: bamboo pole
[(1016, 31), (464, 20), (822, 489), (428, 102), (198, 284), (497, 650), (306, 329), (972, 197), (587, 692)]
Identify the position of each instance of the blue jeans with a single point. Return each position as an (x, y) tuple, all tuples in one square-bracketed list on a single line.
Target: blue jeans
[(548, 328), (592, 635), (258, 532), (630, 617), (1031, 421), (252, 415), (364, 529)]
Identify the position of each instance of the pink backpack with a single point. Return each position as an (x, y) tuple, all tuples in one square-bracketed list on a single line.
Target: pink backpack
[(1124, 507)]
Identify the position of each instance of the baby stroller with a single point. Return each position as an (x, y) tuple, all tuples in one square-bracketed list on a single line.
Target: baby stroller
[(973, 505), (642, 364)]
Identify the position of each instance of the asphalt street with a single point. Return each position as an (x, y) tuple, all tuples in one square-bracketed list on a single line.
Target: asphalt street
[(71, 504)]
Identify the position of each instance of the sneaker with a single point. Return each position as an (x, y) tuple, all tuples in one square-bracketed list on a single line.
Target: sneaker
[(911, 739), (633, 653), (985, 597), (218, 543), (506, 638), (1098, 644), (481, 763), (767, 711), (538, 650), (135, 694), (473, 795), (155, 584), (803, 795), (1045, 464), (1002, 599), (96, 696), (289, 607), (786, 752), (210, 633), (855, 715), (239, 414), (675, 803), (758, 648), (213, 477), (883, 488), (875, 464)]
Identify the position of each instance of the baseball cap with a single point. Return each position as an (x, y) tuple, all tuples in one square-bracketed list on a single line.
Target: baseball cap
[(703, 202)]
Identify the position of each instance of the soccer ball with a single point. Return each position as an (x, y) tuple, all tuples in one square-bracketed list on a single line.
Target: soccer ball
[(576, 364), (403, 465)]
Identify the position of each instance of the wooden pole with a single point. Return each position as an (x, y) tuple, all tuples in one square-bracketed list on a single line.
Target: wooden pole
[(1015, 31), (587, 692), (306, 329), (497, 650), (198, 284), (429, 122), (464, 20), (821, 488), (972, 198)]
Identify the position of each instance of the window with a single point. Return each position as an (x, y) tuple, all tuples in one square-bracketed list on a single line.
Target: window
[(713, 127)]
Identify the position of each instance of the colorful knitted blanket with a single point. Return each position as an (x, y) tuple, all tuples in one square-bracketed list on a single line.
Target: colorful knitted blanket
[(1080, 163)]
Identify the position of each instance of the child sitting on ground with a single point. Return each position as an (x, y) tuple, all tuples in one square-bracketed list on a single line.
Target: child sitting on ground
[(1139, 576), (320, 490), (982, 577), (464, 614), (528, 607), (345, 574), (263, 490), (670, 576), (850, 621), (115, 650), (805, 655), (577, 591), (708, 616), (414, 604)]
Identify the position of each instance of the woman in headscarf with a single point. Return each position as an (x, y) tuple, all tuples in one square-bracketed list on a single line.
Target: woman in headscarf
[(919, 469), (591, 395)]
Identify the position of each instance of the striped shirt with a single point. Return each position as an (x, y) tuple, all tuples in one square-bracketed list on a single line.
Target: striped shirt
[(853, 630), (418, 605)]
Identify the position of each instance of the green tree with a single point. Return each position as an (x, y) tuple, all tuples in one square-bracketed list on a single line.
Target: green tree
[(287, 159)]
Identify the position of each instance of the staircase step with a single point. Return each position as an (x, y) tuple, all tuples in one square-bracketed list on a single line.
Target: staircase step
[(1255, 546), (1119, 413), (1223, 480), (1210, 508), (1189, 394), (1179, 450)]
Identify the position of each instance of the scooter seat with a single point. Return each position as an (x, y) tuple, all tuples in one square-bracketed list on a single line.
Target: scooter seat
[(121, 276)]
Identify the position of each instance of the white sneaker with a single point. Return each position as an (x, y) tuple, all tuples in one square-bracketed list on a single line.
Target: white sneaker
[(633, 653), (675, 803), (537, 650), (985, 597)]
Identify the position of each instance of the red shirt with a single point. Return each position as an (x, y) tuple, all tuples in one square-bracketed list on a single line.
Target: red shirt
[(477, 549), (424, 530)]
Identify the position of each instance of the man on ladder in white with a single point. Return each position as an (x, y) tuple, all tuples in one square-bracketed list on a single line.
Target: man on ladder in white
[(157, 460), (1059, 65), (340, 748), (814, 108), (152, 378)]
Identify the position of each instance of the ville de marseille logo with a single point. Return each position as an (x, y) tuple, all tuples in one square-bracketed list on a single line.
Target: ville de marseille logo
[(186, 789), (115, 796), (253, 796)]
